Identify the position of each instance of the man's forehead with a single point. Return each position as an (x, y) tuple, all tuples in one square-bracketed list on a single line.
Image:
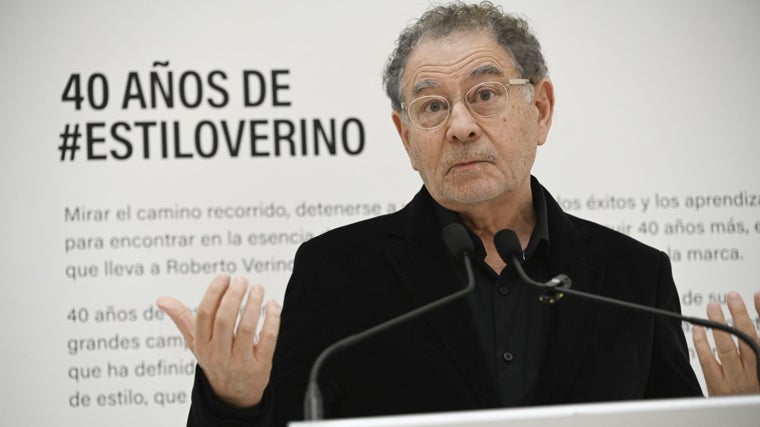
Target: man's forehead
[(456, 57)]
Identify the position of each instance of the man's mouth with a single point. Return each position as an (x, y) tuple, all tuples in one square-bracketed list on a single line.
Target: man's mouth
[(467, 164)]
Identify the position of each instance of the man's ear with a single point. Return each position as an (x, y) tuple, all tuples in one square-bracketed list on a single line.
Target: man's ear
[(543, 99), (403, 133)]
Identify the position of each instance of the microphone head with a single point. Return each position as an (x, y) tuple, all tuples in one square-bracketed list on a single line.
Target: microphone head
[(508, 245), (457, 240)]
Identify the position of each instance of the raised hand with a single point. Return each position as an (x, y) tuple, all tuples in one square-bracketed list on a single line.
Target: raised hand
[(734, 369), (236, 364)]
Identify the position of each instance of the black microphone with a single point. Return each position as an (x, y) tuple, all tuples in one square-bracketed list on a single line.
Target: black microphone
[(461, 247), (509, 249)]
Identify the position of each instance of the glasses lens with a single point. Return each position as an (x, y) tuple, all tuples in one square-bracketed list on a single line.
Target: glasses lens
[(484, 100), (487, 99), (428, 111)]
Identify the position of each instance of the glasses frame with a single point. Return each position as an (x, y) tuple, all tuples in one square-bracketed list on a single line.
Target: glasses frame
[(510, 82)]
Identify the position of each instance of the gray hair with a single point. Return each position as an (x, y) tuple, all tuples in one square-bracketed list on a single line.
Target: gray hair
[(511, 32)]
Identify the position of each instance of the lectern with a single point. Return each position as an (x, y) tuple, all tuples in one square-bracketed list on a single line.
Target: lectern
[(733, 411)]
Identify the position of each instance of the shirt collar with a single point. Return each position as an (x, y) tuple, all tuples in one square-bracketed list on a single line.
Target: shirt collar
[(539, 239)]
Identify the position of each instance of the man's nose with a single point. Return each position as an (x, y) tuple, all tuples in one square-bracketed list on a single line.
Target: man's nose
[(462, 124)]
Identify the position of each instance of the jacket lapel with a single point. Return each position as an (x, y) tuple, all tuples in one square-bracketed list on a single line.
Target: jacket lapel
[(569, 334), (428, 272)]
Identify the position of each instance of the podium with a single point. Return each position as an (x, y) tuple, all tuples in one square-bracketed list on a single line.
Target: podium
[(733, 411)]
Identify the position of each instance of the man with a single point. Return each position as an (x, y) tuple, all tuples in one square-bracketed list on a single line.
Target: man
[(471, 102)]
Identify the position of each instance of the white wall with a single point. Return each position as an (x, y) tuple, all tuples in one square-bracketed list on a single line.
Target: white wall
[(654, 99)]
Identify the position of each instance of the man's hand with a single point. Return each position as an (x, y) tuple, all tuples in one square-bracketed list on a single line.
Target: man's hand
[(734, 371), (237, 368)]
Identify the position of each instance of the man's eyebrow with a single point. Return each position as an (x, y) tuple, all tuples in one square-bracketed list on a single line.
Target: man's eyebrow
[(486, 69), (422, 85)]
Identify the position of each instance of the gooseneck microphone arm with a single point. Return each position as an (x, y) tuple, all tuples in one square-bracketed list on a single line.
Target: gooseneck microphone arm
[(508, 246), (461, 247)]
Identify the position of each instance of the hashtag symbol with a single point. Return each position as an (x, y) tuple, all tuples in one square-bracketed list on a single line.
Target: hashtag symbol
[(69, 142)]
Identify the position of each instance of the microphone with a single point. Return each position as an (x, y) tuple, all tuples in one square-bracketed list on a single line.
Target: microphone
[(509, 249), (461, 248)]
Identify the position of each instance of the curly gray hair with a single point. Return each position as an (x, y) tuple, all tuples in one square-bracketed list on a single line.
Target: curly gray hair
[(511, 32)]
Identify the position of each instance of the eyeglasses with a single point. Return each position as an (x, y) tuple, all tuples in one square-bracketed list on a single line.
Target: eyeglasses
[(484, 100)]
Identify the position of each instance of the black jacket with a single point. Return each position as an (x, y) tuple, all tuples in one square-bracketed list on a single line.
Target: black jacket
[(357, 276)]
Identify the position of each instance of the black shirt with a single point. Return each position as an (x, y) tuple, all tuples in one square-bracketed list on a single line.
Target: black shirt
[(511, 321)]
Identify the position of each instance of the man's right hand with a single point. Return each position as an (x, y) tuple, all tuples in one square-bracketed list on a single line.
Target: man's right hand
[(236, 364)]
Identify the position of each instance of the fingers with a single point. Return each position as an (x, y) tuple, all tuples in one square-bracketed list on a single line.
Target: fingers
[(227, 315), (711, 369), (732, 364), (724, 344), (237, 369), (208, 308), (181, 316), (735, 372), (249, 320), (743, 322), (269, 332)]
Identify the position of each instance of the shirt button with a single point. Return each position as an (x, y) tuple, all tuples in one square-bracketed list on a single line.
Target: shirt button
[(503, 290), (508, 356)]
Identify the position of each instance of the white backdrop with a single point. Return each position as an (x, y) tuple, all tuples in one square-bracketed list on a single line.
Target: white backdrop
[(654, 134)]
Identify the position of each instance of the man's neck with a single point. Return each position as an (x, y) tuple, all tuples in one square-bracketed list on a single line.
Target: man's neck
[(488, 218)]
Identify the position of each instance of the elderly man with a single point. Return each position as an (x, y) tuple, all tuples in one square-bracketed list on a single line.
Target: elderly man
[(472, 103)]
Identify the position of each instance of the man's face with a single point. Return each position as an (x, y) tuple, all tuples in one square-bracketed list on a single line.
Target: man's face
[(470, 159)]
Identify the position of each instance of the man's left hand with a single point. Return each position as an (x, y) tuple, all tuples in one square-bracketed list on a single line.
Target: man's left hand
[(732, 369)]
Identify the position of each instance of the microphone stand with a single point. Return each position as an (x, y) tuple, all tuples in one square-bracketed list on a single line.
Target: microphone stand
[(556, 288), (313, 409)]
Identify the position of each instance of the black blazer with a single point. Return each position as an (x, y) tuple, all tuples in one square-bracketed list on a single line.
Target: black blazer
[(357, 276)]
